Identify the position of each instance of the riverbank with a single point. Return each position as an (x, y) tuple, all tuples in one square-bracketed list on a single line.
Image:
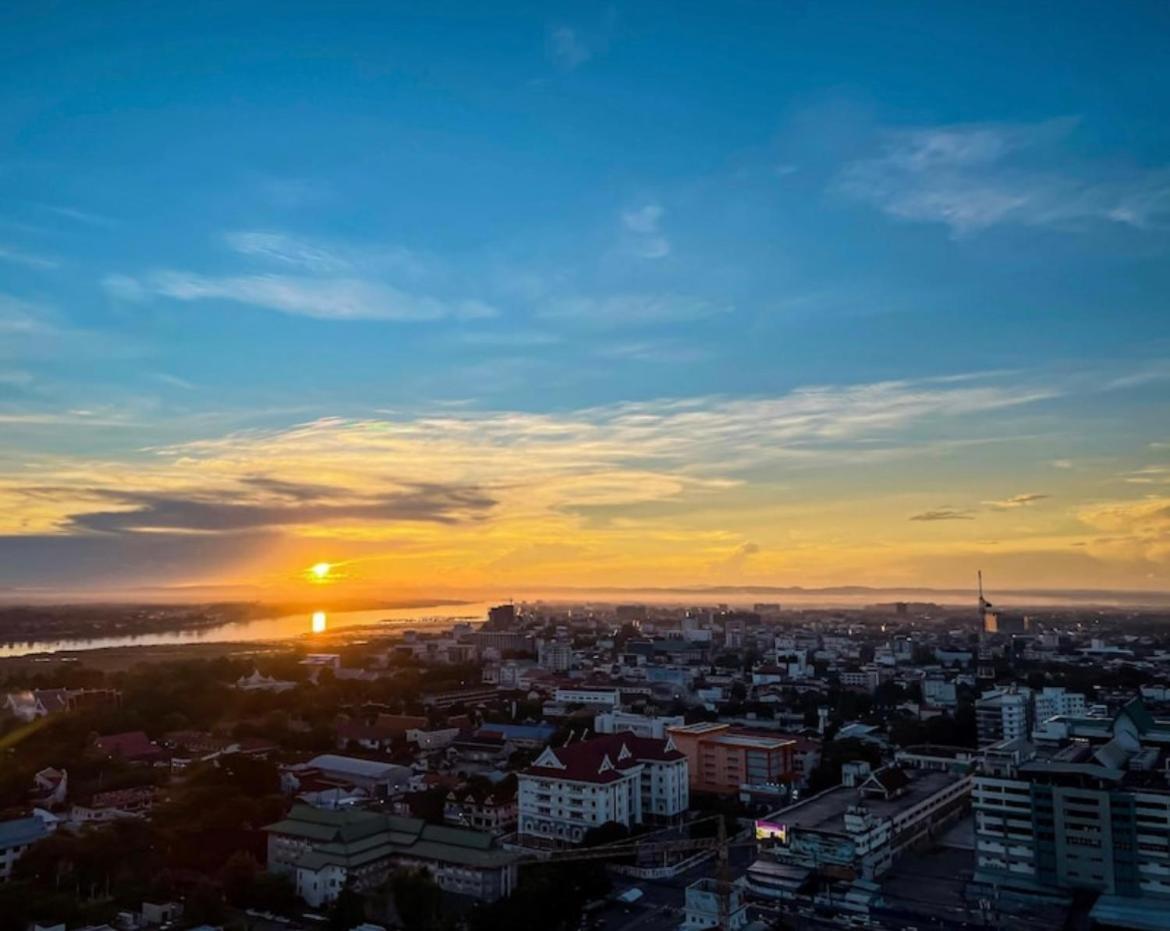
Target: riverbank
[(117, 658)]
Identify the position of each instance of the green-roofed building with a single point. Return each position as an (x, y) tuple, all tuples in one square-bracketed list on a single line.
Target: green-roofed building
[(323, 851)]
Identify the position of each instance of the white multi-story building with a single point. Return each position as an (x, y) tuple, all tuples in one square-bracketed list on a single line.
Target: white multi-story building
[(618, 777), (640, 725), (868, 678), (610, 698), (555, 655), (850, 836), (1051, 701), (939, 693), (1003, 714), (1091, 814)]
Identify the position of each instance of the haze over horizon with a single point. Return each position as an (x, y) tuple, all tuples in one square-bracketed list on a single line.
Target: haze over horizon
[(650, 296)]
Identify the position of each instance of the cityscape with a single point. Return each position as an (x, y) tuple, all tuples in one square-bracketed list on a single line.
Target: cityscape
[(622, 466)]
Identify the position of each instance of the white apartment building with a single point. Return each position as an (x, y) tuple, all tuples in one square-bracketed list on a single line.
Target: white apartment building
[(939, 693), (640, 725), (1003, 714), (555, 655), (610, 698), (619, 777), (868, 679), (1090, 814), (1052, 701)]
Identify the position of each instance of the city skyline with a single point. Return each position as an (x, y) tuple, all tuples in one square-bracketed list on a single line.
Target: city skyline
[(583, 297)]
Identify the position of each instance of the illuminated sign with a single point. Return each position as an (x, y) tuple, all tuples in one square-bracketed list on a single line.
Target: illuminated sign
[(771, 831)]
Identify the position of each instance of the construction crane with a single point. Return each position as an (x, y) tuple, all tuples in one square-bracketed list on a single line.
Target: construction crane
[(720, 843)]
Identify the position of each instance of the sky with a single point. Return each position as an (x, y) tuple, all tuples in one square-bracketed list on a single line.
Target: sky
[(496, 298)]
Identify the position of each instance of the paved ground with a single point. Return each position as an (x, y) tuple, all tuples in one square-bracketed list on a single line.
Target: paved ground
[(927, 888)]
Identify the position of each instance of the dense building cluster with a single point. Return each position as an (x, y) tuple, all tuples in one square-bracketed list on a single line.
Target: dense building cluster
[(870, 767)]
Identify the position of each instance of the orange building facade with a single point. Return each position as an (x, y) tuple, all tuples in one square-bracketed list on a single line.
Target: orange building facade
[(721, 758)]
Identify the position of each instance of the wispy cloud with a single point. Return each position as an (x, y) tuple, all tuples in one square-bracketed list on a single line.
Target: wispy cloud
[(1015, 501), (281, 504), (1146, 374), (174, 381), (322, 257), (530, 465), (290, 193), (284, 249), (974, 176), (970, 513), (1148, 475), (567, 48), (78, 215), (661, 351), (28, 259), (630, 310), (940, 514), (643, 228), (320, 298), (509, 339), (19, 317)]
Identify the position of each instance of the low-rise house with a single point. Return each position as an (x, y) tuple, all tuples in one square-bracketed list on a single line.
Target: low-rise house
[(484, 806), (522, 736), (131, 746), (479, 748), (114, 805), (30, 704), (433, 738), (50, 787), (258, 683)]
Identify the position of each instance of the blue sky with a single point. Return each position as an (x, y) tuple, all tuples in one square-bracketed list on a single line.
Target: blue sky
[(228, 222)]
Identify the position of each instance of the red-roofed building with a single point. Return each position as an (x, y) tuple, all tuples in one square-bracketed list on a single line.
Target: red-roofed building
[(614, 777), (132, 746)]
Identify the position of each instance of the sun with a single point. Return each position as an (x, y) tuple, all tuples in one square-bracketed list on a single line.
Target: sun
[(321, 571)]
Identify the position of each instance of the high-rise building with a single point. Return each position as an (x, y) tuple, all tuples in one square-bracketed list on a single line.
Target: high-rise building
[(502, 617), (1091, 813)]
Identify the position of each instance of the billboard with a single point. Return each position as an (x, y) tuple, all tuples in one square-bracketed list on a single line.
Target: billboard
[(772, 832)]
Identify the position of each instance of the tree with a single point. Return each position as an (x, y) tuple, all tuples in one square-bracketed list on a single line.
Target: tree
[(417, 899), (238, 878), (204, 904), (347, 912)]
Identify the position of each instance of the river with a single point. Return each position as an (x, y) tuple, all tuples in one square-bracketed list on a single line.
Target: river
[(284, 627)]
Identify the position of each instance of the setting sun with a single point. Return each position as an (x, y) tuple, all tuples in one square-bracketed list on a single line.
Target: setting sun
[(319, 622), (321, 570)]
